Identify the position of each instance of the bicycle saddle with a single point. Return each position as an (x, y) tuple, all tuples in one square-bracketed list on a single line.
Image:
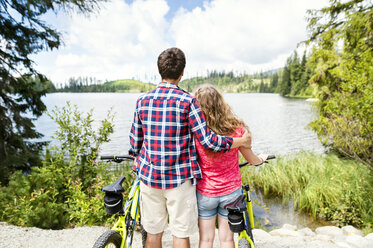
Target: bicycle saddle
[(115, 187), (237, 204)]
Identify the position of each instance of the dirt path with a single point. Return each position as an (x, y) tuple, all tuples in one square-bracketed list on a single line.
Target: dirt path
[(84, 237)]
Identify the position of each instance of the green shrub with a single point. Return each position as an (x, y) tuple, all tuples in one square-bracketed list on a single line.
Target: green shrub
[(328, 187), (66, 190)]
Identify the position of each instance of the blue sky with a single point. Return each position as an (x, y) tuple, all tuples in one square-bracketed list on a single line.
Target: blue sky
[(175, 5), (124, 39)]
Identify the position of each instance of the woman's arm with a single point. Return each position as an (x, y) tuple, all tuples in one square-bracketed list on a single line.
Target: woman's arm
[(250, 157)]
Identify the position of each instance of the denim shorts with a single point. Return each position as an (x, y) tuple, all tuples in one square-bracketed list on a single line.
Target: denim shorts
[(209, 207)]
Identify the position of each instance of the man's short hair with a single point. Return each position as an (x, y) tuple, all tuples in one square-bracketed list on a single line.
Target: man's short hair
[(171, 63)]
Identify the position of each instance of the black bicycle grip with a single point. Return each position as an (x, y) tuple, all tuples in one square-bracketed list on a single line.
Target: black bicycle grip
[(106, 157), (271, 157)]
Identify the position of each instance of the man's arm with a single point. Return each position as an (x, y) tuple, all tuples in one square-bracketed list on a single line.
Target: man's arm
[(136, 134), (209, 139)]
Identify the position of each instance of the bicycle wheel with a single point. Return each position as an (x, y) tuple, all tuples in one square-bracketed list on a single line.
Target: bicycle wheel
[(109, 239)]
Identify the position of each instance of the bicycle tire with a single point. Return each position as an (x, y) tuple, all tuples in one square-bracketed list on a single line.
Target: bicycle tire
[(109, 237)]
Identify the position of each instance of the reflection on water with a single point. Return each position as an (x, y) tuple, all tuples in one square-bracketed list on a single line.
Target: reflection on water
[(278, 126)]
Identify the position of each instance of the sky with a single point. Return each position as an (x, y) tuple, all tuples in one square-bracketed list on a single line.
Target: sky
[(124, 38)]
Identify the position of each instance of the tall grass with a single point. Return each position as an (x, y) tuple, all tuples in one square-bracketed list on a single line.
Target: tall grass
[(327, 186)]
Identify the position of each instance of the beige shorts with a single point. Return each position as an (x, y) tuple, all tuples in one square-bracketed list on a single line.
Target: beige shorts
[(178, 205)]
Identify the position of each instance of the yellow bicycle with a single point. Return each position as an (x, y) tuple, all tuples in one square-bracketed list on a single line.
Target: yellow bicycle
[(241, 216), (121, 234)]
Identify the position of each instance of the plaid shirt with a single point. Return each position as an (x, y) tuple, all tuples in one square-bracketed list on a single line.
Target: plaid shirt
[(165, 121)]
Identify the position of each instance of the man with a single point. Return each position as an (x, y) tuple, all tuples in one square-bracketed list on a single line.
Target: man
[(166, 121)]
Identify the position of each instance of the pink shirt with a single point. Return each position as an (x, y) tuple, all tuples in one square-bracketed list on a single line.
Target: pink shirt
[(220, 172)]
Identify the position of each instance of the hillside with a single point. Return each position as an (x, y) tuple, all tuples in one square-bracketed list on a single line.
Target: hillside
[(122, 85)]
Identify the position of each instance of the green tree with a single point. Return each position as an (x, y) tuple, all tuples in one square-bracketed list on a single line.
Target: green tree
[(284, 86), (344, 76), (23, 33), (274, 82)]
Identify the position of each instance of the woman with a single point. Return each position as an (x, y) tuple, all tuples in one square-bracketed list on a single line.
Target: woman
[(221, 177)]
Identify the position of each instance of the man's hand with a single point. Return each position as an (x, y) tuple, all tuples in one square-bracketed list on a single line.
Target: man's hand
[(246, 139)]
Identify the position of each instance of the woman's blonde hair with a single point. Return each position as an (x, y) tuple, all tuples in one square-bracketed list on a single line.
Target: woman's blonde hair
[(219, 115)]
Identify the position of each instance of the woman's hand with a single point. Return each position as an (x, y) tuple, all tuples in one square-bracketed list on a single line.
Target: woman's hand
[(263, 157)]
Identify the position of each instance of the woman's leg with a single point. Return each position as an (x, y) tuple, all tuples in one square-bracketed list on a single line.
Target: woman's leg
[(225, 234), (206, 232)]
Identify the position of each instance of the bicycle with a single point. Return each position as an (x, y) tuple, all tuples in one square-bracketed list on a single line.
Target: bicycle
[(241, 216), (121, 234)]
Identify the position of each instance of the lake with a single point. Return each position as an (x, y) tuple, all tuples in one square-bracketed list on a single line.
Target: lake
[(278, 124)]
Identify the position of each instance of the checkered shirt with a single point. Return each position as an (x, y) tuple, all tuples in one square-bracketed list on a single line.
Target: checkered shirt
[(165, 121)]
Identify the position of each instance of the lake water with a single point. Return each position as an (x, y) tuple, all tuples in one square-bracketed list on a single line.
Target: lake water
[(278, 126)]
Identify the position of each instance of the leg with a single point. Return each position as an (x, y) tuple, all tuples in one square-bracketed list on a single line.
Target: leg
[(153, 224), (180, 242), (225, 234), (154, 240), (206, 232), (182, 209)]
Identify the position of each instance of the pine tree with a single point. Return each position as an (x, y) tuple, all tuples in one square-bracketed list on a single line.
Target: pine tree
[(23, 33), (274, 82), (284, 86)]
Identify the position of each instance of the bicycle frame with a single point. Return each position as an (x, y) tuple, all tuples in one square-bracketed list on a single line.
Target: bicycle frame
[(248, 217), (130, 216)]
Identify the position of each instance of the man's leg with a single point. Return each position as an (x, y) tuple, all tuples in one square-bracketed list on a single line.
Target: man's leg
[(153, 214), (183, 214), (154, 240), (180, 242)]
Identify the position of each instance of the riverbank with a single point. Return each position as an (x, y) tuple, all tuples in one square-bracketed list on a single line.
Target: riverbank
[(288, 236), (327, 186)]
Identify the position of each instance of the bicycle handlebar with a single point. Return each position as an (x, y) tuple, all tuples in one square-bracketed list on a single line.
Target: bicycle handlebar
[(117, 159), (268, 158)]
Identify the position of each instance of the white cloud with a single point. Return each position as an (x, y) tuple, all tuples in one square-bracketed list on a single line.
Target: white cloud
[(124, 40), (241, 35)]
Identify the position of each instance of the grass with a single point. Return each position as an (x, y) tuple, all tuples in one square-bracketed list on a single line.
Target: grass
[(327, 186)]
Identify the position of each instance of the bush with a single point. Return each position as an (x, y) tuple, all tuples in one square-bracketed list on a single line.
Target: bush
[(66, 190), (335, 189)]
